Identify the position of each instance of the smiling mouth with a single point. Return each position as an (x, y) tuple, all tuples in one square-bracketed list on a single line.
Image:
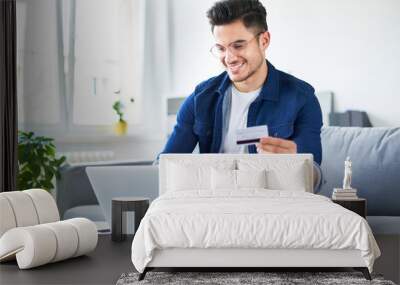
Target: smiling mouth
[(234, 68)]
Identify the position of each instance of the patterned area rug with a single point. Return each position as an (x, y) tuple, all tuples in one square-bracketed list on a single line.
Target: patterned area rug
[(273, 278)]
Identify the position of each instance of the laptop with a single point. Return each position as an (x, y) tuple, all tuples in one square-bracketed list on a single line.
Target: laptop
[(122, 181)]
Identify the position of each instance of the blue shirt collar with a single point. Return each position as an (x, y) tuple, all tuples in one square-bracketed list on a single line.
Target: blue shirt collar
[(270, 89)]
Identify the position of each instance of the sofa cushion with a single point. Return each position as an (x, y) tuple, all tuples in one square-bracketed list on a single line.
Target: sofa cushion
[(375, 153), (384, 225)]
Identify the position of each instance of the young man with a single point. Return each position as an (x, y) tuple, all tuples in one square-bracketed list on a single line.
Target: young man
[(251, 92)]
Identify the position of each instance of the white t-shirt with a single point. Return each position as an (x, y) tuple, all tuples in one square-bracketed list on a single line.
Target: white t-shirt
[(238, 119)]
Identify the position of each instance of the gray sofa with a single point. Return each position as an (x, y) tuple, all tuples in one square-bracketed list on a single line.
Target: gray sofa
[(375, 153)]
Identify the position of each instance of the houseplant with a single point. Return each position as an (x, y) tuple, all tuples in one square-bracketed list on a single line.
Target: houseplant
[(37, 162), (121, 126)]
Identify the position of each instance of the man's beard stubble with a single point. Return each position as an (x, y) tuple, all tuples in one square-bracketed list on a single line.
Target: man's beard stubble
[(251, 73)]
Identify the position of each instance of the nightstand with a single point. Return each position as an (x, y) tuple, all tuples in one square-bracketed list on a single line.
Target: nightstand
[(358, 205), (139, 205)]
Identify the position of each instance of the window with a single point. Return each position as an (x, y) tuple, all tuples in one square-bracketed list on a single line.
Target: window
[(104, 61), (75, 59)]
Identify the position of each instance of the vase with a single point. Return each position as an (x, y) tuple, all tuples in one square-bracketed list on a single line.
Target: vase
[(121, 128)]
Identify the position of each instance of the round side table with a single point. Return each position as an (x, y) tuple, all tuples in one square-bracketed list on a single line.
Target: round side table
[(139, 205)]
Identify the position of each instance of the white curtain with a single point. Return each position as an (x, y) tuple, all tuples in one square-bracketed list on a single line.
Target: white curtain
[(156, 64), (39, 76)]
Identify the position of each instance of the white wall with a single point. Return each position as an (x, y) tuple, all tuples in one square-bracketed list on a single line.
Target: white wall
[(349, 47), (191, 40)]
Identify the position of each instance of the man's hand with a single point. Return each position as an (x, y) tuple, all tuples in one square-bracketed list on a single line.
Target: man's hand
[(276, 145)]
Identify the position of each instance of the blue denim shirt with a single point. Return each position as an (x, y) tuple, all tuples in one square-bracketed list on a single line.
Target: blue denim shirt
[(286, 104)]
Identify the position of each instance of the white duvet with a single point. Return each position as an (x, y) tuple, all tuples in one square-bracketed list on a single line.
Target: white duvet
[(250, 219)]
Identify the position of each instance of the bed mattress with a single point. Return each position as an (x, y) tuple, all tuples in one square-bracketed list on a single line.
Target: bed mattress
[(250, 219)]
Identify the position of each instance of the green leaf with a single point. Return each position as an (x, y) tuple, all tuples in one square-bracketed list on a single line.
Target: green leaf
[(61, 160), (37, 162), (47, 185), (50, 151)]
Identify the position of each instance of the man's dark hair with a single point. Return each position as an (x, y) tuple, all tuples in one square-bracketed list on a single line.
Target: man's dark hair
[(251, 12)]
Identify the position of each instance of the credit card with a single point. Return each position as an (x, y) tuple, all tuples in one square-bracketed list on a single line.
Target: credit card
[(251, 135)]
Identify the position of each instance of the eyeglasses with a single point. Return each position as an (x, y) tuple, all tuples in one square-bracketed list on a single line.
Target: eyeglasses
[(235, 48)]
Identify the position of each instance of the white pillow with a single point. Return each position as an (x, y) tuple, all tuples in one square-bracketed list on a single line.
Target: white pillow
[(293, 180), (188, 176), (281, 174), (251, 178), (222, 179)]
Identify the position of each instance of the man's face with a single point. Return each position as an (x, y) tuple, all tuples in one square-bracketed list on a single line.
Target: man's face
[(243, 51)]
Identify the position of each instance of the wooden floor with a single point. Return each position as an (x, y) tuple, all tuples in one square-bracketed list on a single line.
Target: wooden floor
[(102, 266)]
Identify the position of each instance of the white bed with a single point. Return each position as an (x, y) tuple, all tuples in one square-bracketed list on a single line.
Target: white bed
[(219, 210)]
